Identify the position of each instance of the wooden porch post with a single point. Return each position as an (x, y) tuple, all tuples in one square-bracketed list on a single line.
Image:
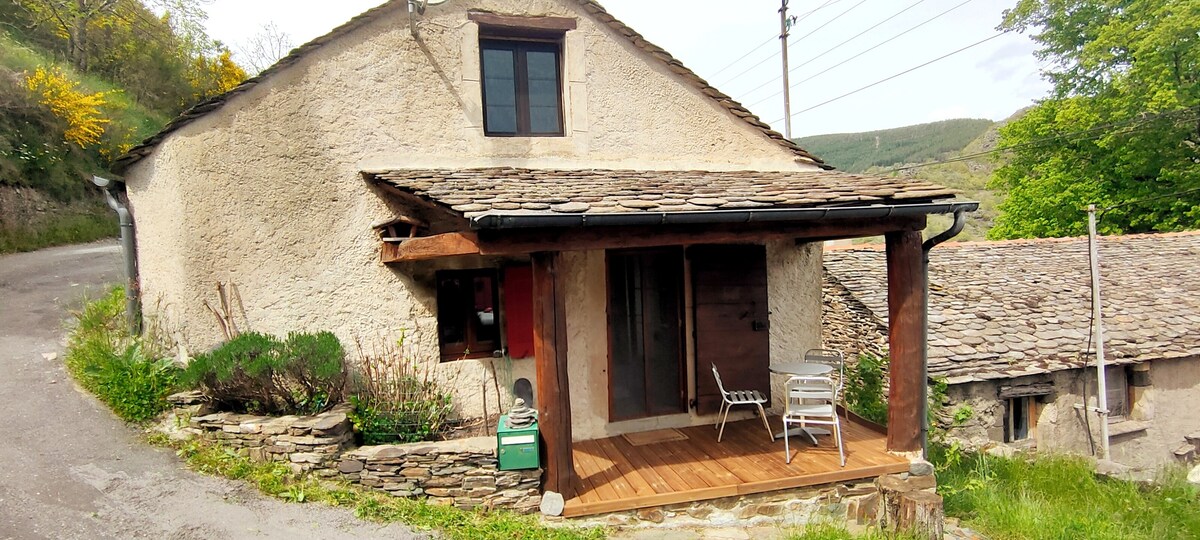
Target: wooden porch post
[(906, 324), (550, 352)]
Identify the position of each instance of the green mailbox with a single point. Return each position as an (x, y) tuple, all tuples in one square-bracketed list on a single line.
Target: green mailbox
[(517, 448)]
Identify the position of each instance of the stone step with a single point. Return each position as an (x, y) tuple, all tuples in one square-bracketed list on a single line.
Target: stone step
[(1186, 453)]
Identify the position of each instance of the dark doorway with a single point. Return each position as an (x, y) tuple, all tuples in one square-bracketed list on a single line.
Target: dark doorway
[(729, 285), (645, 321)]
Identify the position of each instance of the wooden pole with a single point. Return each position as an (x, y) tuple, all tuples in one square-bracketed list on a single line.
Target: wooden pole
[(550, 354), (906, 324)]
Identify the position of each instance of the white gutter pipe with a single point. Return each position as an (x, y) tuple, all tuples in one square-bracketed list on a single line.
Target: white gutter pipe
[(127, 251)]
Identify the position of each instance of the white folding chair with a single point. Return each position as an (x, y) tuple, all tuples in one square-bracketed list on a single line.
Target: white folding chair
[(738, 397), (811, 400)]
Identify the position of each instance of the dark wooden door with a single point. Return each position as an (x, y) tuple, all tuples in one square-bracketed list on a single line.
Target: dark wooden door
[(729, 284), (645, 321)]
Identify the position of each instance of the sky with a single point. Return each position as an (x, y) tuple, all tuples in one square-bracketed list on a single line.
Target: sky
[(735, 46)]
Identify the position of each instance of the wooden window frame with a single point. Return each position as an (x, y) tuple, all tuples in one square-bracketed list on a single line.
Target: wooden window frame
[(520, 46), (471, 348)]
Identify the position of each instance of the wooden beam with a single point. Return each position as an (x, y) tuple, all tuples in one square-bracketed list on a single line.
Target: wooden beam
[(517, 22), (550, 359), (906, 325), (424, 248), (515, 241)]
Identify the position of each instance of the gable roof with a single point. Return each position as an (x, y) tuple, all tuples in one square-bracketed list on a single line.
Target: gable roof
[(475, 192), (688, 76), (1023, 307)]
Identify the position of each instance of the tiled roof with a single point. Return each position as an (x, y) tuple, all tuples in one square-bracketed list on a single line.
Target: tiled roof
[(690, 77), (474, 192), (1006, 309)]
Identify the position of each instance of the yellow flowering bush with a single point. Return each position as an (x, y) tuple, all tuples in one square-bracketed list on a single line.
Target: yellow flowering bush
[(80, 110)]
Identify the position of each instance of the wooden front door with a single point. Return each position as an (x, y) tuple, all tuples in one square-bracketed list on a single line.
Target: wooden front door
[(645, 322), (729, 284)]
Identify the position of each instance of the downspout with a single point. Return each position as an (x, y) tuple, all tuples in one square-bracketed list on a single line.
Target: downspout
[(959, 221), (127, 251)]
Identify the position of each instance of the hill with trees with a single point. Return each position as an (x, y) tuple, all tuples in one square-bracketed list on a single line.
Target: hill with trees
[(857, 152), (81, 81)]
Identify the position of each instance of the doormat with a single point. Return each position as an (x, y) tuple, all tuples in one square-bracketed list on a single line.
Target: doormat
[(650, 437)]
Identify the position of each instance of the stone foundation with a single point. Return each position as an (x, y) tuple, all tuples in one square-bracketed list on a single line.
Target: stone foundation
[(462, 473)]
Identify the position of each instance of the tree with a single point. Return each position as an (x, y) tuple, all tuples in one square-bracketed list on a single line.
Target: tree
[(1122, 124), (73, 20), (265, 48), (79, 110)]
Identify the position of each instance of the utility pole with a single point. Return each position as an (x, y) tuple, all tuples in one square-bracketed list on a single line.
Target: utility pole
[(1098, 327), (785, 25)]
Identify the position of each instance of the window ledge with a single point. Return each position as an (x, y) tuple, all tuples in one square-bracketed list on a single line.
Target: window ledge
[(1126, 427)]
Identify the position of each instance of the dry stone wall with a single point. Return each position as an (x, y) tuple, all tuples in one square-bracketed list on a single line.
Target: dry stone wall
[(463, 473), (306, 443)]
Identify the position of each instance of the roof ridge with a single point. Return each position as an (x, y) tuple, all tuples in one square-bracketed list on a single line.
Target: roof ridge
[(146, 147)]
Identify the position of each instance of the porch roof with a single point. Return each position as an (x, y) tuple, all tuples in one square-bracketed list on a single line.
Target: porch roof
[(1022, 307), (478, 192)]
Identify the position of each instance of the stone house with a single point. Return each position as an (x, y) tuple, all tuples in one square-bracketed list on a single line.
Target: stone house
[(1009, 332), (525, 189)]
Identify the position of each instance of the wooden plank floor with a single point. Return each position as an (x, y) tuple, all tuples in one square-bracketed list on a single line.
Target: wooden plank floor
[(613, 475)]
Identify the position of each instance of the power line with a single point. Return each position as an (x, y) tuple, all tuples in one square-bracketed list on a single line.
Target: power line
[(742, 57), (1143, 121), (909, 70), (827, 23), (876, 46), (829, 50), (799, 18)]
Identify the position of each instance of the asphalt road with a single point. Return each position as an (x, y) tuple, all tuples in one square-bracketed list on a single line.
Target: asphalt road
[(70, 469)]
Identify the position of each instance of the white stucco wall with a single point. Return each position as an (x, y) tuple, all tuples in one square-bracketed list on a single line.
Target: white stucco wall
[(266, 192), (1167, 408)]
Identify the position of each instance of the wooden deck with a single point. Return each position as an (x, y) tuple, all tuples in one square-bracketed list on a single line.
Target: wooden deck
[(613, 475)]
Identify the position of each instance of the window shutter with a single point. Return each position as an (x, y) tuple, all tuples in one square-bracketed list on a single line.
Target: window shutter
[(518, 310)]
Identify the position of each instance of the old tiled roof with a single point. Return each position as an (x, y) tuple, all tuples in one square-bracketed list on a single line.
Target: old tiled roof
[(1005, 309), (690, 77), (474, 192)]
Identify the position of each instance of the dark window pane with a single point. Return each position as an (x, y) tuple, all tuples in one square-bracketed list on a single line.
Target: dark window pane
[(468, 314), (542, 66), (500, 90), (483, 314), (452, 311)]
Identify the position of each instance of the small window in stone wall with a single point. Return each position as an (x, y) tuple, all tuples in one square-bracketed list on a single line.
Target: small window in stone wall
[(1017, 419), (522, 87), (468, 313), (1117, 389)]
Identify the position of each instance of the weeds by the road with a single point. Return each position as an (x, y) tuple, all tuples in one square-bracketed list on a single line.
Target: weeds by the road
[(64, 228), (834, 531), (1058, 497), (277, 480), (124, 371)]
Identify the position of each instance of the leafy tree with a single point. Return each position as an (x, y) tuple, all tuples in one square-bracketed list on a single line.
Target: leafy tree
[(1122, 124)]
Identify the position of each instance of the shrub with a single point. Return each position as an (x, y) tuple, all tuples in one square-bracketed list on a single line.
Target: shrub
[(395, 399), (303, 374), (127, 373), (864, 388)]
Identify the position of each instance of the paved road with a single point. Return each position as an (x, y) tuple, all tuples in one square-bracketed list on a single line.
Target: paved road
[(70, 469)]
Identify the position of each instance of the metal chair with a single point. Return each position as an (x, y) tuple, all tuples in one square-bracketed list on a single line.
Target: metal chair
[(837, 361), (811, 400), (738, 397)]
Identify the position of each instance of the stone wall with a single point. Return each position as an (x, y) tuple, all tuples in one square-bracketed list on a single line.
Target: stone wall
[(463, 473), (847, 325), (306, 443)]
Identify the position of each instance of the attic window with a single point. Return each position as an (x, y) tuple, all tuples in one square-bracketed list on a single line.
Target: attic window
[(521, 71)]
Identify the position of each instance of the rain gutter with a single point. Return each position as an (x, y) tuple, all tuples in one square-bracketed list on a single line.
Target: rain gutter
[(501, 220)]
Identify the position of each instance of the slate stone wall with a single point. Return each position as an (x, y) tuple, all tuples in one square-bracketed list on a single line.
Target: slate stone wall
[(463, 473), (306, 443)]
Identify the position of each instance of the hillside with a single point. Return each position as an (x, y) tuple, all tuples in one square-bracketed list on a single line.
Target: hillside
[(79, 89), (903, 148), (857, 152)]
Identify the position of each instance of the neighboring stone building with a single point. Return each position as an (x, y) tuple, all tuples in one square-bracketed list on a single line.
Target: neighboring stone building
[(525, 189), (1009, 332)]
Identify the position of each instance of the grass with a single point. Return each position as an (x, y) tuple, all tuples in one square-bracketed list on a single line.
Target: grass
[(65, 228), (833, 531), (276, 480), (1061, 498), (128, 374)]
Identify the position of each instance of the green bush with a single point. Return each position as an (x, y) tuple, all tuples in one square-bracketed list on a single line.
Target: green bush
[(303, 374), (864, 388), (396, 400), (125, 372)]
